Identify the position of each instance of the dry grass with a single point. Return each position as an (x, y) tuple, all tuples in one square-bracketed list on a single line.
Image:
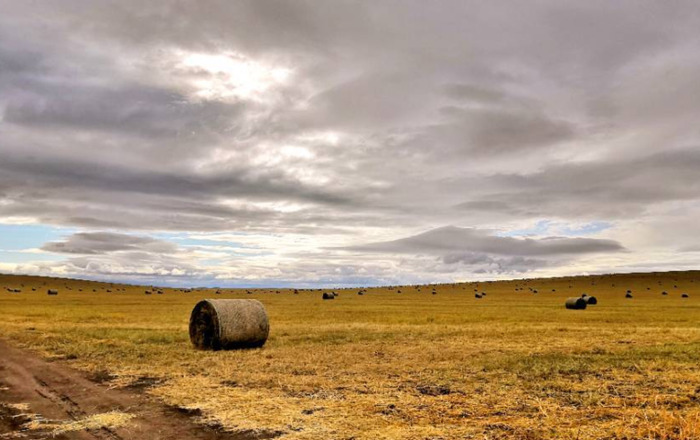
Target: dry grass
[(109, 420), (512, 365)]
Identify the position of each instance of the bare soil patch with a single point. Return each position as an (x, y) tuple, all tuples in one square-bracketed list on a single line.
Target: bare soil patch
[(34, 389)]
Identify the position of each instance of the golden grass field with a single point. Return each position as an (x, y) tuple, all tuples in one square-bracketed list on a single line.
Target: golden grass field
[(389, 365)]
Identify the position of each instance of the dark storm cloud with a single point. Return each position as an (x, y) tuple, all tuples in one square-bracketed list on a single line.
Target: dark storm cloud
[(450, 239)]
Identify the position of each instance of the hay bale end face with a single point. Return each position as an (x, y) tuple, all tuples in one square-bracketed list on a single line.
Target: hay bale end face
[(327, 295), (575, 303), (591, 300), (224, 324)]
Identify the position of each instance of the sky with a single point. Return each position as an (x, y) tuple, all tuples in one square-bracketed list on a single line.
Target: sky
[(315, 143)]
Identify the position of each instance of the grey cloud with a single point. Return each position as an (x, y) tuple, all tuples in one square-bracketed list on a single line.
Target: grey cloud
[(95, 243), (494, 132), (128, 111), (468, 92), (452, 239), (50, 172), (612, 188)]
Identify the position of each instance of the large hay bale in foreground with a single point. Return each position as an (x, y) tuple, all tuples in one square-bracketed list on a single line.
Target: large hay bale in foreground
[(576, 303), (223, 324)]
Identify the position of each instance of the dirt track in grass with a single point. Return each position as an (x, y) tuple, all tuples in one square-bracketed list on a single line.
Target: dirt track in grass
[(41, 399)]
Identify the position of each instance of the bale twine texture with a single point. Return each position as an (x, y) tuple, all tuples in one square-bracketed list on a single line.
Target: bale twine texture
[(224, 324)]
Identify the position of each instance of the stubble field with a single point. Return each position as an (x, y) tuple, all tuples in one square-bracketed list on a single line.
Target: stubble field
[(390, 365)]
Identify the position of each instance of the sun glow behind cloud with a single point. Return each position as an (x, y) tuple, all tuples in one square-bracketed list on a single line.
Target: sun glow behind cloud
[(229, 75)]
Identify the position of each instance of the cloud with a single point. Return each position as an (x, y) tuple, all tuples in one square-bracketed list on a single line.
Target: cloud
[(453, 239), (493, 132), (96, 243), (614, 188), (333, 124)]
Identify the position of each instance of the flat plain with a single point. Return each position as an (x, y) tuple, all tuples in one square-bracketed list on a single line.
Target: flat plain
[(394, 363)]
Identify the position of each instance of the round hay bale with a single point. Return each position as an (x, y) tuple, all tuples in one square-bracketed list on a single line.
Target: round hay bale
[(590, 300), (628, 295), (477, 296), (327, 295), (224, 324), (685, 295), (52, 292), (664, 293), (575, 303)]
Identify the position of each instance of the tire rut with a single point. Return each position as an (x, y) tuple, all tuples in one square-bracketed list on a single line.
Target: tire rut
[(72, 409)]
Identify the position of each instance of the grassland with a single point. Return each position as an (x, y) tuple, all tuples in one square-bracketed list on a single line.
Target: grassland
[(389, 365)]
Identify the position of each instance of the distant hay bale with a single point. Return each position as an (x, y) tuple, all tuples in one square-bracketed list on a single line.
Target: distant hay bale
[(477, 296), (590, 300), (52, 292), (147, 292), (224, 324), (685, 295), (628, 295), (664, 293), (575, 303), (327, 295)]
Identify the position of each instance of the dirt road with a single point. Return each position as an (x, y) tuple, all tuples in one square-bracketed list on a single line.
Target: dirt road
[(34, 389)]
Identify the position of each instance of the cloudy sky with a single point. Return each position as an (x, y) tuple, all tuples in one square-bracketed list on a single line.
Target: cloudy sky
[(337, 143)]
